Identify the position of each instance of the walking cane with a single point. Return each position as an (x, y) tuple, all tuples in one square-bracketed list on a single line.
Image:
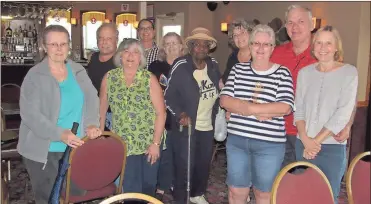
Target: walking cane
[(188, 158)]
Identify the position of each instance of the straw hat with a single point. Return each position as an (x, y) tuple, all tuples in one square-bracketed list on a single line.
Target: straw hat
[(201, 34)]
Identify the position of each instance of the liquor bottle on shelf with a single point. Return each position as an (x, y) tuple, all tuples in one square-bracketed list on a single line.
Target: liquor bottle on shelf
[(9, 31), (25, 47), (20, 32), (25, 31), (29, 48), (29, 32), (34, 31)]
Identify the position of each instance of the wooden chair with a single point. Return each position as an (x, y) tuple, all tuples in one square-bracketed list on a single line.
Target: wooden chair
[(358, 180), (308, 187), (9, 140), (95, 166), (4, 185), (131, 197), (10, 94)]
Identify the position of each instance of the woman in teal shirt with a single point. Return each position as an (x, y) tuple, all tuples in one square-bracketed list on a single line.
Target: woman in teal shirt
[(54, 94)]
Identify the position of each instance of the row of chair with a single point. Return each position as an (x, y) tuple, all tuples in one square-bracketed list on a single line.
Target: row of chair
[(312, 186)]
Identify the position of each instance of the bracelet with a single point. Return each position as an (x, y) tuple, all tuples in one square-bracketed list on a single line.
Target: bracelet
[(155, 143)]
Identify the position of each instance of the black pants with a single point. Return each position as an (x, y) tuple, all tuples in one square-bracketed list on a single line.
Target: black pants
[(201, 153), (42, 181)]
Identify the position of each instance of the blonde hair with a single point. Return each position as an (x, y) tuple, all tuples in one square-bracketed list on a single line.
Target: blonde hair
[(161, 52), (339, 54)]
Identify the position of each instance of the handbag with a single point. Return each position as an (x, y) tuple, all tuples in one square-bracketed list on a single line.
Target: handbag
[(220, 132)]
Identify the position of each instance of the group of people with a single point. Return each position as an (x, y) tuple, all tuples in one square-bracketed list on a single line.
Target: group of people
[(292, 102)]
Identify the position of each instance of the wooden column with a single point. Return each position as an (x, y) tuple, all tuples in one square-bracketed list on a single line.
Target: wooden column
[(142, 10)]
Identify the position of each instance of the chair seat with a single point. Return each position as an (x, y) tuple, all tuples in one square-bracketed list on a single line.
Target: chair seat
[(95, 194), (9, 151), (8, 135), (10, 108)]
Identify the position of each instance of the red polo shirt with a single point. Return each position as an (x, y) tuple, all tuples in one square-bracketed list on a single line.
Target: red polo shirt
[(285, 56)]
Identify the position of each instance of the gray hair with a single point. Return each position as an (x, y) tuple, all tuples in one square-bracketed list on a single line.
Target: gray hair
[(291, 7), (126, 44), (108, 25), (161, 52), (263, 29), (54, 28), (242, 24)]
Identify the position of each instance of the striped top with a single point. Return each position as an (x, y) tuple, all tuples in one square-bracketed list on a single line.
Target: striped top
[(273, 85)]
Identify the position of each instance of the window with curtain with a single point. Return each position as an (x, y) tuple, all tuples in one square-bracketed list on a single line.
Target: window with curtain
[(91, 21), (59, 18), (126, 26)]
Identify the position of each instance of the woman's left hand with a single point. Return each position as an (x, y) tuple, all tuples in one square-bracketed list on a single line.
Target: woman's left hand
[(93, 132), (153, 153)]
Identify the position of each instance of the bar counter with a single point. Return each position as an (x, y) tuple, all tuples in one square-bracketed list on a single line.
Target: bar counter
[(14, 73)]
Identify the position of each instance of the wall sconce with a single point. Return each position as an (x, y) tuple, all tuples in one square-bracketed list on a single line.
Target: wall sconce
[(136, 24), (107, 20), (224, 27), (73, 21), (316, 23)]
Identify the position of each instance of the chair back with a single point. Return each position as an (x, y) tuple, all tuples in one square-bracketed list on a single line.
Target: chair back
[(10, 93), (308, 187), (97, 163), (131, 197), (4, 185), (358, 180)]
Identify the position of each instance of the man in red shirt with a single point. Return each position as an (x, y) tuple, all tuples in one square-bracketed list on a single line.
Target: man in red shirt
[(295, 55)]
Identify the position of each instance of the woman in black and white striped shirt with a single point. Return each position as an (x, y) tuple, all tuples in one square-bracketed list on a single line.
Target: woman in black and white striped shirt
[(258, 94)]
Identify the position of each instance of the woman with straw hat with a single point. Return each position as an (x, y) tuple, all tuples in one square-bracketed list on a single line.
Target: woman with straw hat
[(191, 97)]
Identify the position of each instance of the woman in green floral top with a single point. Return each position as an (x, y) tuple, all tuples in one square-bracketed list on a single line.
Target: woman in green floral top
[(138, 114)]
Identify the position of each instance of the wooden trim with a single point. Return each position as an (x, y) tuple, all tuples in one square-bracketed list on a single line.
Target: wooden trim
[(285, 170), (350, 174), (362, 104)]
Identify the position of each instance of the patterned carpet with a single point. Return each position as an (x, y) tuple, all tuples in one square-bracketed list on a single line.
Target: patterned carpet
[(21, 192)]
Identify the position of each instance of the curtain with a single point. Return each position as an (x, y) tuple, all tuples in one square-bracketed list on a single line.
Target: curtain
[(88, 16), (131, 18)]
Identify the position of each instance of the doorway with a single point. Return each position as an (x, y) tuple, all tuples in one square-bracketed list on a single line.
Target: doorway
[(170, 22)]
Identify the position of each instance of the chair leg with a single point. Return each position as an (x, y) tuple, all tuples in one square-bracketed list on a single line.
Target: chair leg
[(214, 153), (8, 170)]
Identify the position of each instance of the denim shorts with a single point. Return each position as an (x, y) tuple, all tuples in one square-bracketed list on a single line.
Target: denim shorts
[(252, 162)]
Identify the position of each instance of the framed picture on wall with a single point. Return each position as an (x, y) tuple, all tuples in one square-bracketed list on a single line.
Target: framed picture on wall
[(150, 10)]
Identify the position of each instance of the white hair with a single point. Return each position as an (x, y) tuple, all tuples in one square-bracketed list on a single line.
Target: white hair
[(263, 29), (291, 7)]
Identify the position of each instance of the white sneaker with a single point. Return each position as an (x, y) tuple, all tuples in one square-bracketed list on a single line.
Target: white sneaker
[(248, 199), (199, 200)]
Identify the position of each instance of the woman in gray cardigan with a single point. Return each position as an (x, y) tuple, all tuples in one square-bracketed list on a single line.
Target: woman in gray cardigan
[(325, 100), (54, 94)]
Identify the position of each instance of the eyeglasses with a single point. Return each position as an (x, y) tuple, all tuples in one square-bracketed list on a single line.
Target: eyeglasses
[(259, 44), (199, 45), (56, 45), (171, 44), (145, 28)]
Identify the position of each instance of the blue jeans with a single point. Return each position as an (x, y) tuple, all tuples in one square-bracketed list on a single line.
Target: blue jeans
[(165, 172), (331, 160), (253, 162), (140, 176)]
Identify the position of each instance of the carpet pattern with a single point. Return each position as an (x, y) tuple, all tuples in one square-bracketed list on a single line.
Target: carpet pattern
[(21, 190)]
